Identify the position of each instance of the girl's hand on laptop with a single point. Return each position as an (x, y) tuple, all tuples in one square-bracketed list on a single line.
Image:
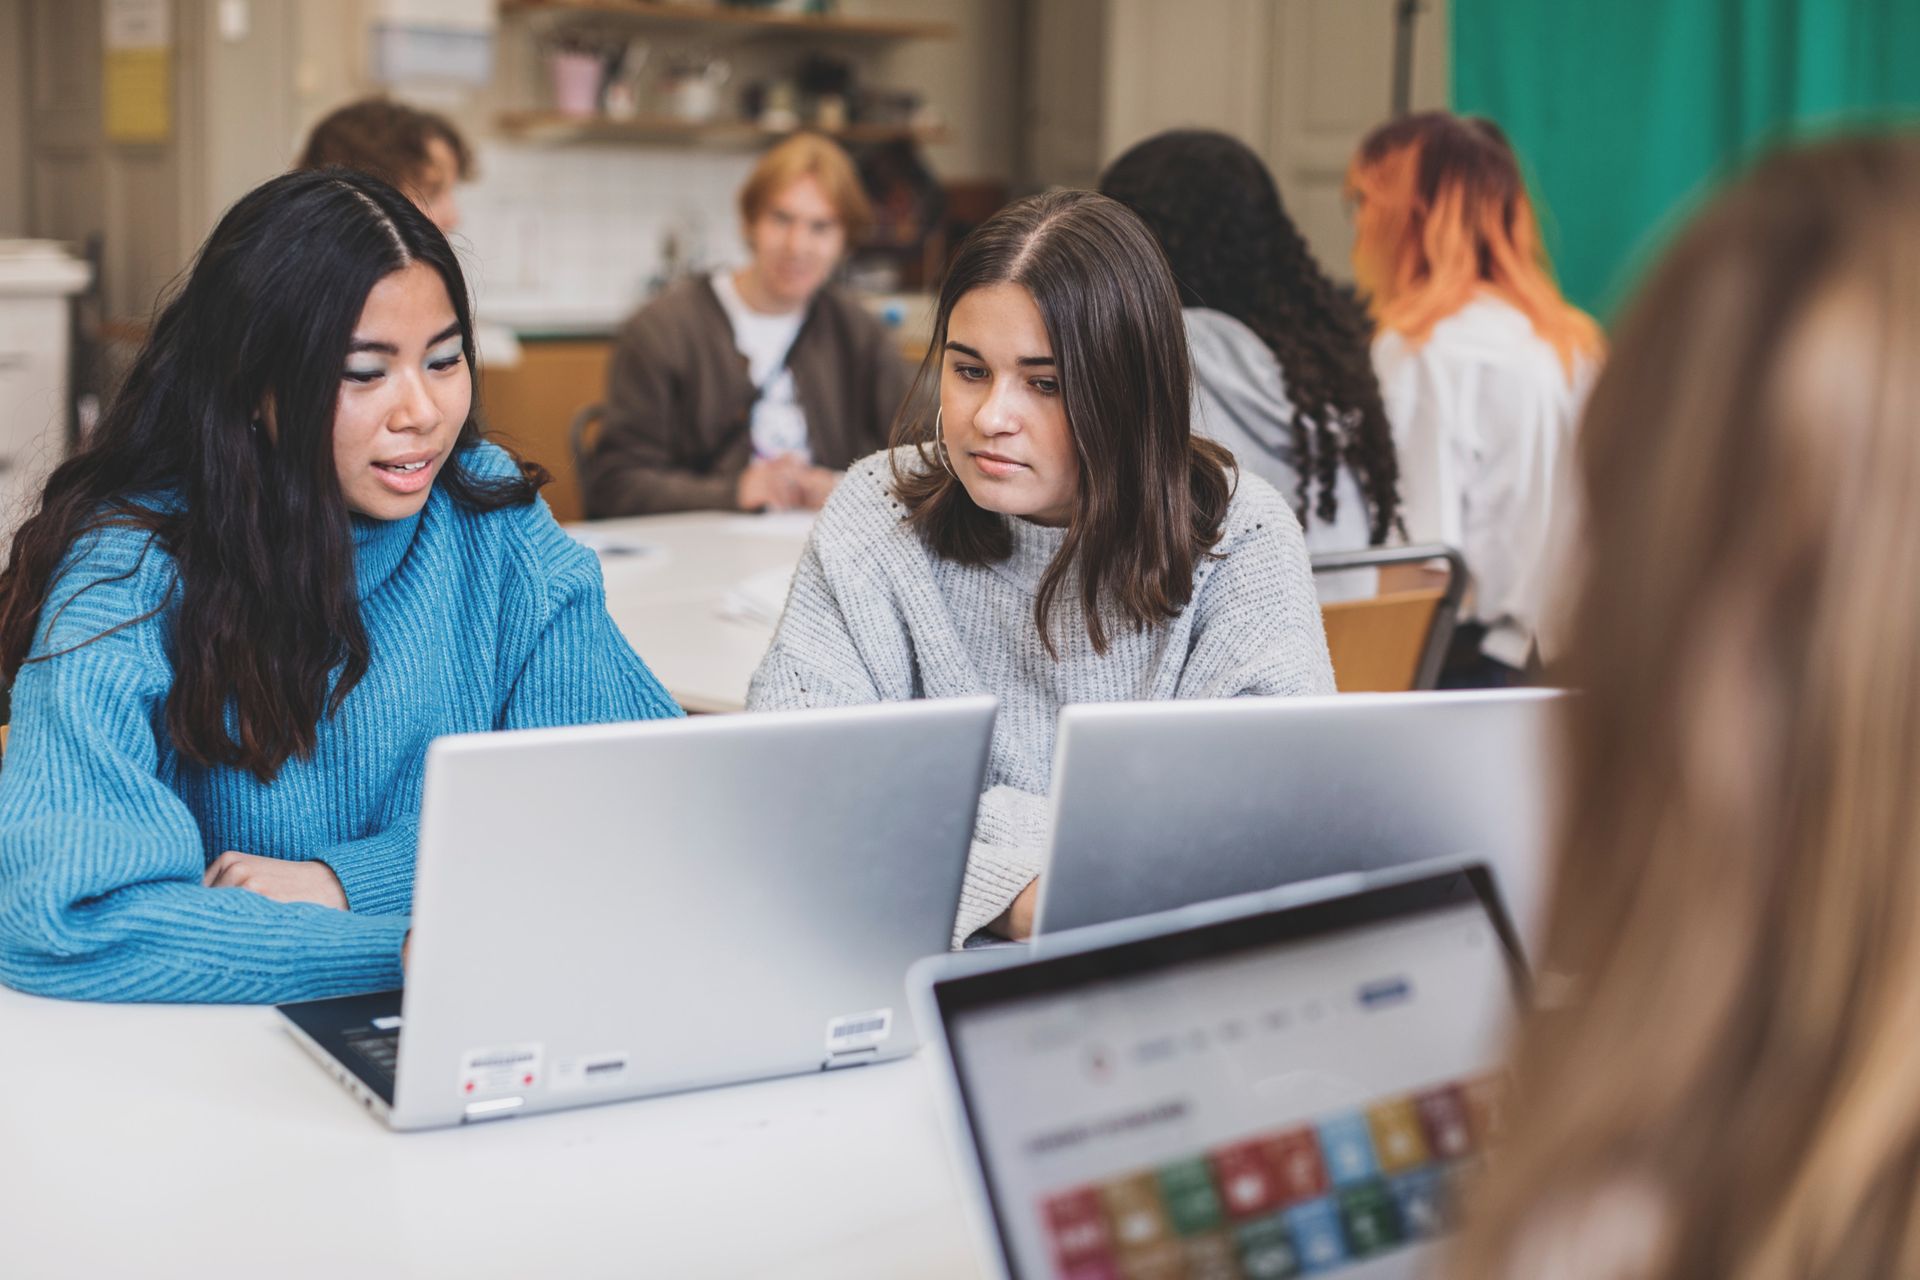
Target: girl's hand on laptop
[(1016, 921), (277, 878)]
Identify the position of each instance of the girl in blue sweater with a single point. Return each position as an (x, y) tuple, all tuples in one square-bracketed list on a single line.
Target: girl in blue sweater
[(283, 565)]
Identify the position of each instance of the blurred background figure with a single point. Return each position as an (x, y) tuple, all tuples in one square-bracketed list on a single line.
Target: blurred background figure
[(753, 388), (1729, 1088), (1280, 363), (1483, 366), (418, 152)]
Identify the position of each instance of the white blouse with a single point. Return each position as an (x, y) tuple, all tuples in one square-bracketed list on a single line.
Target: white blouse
[(1483, 418)]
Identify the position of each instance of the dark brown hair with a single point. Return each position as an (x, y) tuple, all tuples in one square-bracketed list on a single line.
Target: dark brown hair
[(385, 138), (1152, 495), (1737, 889)]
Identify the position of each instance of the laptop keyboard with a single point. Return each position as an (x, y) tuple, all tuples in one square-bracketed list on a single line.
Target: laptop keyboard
[(381, 1048)]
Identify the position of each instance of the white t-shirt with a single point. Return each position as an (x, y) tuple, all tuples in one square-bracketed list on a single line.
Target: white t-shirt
[(779, 423), (1483, 417)]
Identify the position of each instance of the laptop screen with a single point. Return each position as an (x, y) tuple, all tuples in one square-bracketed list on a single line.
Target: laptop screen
[(1294, 1093)]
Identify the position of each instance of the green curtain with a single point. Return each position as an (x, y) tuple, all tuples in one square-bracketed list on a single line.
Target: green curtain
[(1626, 111)]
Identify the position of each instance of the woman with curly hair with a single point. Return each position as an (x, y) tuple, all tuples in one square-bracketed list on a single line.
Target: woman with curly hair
[(1483, 365), (1280, 363)]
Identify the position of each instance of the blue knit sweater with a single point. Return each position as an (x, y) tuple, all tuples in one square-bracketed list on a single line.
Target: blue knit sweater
[(475, 622)]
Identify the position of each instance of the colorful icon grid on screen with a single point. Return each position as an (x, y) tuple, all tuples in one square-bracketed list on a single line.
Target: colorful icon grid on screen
[(1297, 1202)]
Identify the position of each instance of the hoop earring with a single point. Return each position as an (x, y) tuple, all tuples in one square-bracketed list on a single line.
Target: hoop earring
[(940, 445)]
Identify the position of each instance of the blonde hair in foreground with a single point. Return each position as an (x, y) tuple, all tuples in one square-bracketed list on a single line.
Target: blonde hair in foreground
[(1738, 903)]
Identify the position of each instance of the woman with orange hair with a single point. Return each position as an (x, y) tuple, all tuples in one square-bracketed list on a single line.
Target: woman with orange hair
[(1482, 364)]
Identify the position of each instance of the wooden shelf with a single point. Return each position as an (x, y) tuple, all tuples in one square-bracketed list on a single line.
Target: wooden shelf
[(715, 19), (552, 128)]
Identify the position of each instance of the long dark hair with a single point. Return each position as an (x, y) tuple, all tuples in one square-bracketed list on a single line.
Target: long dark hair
[(1217, 213), (1152, 495), (257, 527)]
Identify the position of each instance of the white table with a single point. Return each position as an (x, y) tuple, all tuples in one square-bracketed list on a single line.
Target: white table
[(665, 594), (200, 1141)]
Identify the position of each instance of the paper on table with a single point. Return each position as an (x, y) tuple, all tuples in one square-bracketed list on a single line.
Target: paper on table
[(609, 545), (774, 524), (757, 599)]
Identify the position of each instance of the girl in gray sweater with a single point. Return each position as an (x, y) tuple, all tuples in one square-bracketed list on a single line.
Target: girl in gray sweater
[(1057, 534)]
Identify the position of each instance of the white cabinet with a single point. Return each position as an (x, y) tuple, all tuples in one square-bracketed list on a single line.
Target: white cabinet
[(37, 282)]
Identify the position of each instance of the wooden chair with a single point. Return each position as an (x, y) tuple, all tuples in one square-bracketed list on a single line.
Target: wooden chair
[(581, 433), (1394, 641), (529, 405)]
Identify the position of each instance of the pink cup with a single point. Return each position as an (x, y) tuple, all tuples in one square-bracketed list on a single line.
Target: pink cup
[(576, 83)]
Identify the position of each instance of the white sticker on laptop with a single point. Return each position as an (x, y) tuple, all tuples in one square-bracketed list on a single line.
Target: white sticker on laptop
[(591, 1071), (501, 1070), (855, 1031)]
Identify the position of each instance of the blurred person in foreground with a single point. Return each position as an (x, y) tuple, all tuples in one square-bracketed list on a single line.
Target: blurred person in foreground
[(1730, 1084)]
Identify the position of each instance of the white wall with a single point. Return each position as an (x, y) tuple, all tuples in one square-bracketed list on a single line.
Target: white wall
[(973, 79), (1200, 63), (1299, 81), (565, 237)]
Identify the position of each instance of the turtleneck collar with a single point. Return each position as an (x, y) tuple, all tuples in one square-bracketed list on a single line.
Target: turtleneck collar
[(1034, 547), (378, 548)]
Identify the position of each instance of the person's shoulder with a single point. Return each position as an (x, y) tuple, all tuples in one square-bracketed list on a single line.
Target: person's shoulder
[(116, 571), (845, 310), (1205, 326), (1490, 342), (1257, 513), (1492, 331), (526, 535), (863, 507), (119, 548), (487, 461), (672, 312)]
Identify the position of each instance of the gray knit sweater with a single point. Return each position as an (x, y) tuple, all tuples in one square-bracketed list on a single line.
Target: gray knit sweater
[(874, 615)]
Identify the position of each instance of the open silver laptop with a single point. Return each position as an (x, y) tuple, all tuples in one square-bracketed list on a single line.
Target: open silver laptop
[(614, 911), (1289, 1083), (1156, 805)]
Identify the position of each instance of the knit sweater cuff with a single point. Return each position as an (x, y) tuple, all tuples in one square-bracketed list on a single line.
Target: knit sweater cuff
[(371, 960), (995, 876), (377, 870)]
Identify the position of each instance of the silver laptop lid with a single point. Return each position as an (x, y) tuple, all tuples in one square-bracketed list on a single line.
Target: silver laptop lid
[(1232, 1089), (1156, 805), (611, 911)]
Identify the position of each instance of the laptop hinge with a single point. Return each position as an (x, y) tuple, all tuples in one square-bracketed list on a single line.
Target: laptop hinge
[(852, 1058), (491, 1109)]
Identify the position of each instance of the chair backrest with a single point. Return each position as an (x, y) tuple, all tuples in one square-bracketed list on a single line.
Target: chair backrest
[(1394, 641), (581, 435)]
